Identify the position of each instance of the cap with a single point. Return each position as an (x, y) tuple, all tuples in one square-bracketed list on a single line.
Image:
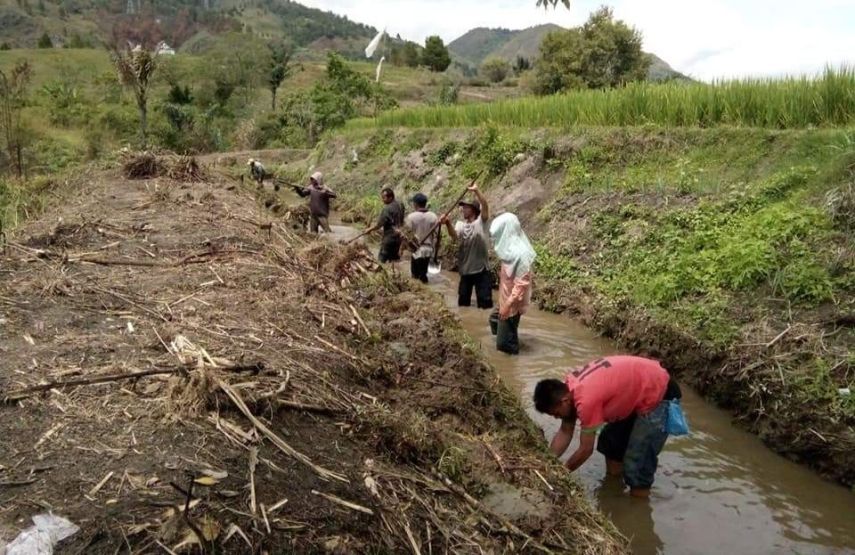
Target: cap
[(420, 199), (473, 203)]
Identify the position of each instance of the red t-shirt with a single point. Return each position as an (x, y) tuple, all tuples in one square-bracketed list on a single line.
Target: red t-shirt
[(612, 388)]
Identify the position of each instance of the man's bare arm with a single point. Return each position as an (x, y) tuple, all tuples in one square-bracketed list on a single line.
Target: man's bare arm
[(585, 450), (563, 437)]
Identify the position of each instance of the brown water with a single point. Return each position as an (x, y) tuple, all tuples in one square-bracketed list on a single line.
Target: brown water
[(719, 490)]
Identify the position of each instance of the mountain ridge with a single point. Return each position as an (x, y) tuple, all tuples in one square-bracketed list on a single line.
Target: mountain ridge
[(481, 43)]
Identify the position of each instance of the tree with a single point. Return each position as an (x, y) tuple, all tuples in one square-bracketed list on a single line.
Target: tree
[(495, 69), (44, 41), (553, 3), (410, 54), (135, 69), (435, 55), (13, 91), (521, 64), (602, 53), (279, 68)]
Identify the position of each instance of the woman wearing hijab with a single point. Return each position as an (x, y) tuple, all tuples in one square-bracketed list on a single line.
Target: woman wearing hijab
[(515, 277)]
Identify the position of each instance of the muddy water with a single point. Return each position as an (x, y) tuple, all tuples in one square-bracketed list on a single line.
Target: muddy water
[(719, 490)]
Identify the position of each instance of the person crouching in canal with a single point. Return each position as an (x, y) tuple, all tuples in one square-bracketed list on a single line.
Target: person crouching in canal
[(626, 399), (472, 261), (515, 276)]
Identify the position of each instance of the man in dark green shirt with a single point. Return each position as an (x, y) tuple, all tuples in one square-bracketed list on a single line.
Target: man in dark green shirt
[(391, 218)]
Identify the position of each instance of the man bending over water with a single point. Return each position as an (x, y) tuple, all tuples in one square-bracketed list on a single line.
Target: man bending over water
[(624, 398)]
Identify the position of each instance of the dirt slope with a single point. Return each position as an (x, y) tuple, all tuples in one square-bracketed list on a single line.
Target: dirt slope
[(288, 370)]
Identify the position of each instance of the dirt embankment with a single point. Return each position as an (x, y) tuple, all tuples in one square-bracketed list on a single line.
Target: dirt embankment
[(288, 395), (728, 254)]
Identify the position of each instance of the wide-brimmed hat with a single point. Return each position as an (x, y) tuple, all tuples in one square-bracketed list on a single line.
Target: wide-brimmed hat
[(250, 162), (474, 204)]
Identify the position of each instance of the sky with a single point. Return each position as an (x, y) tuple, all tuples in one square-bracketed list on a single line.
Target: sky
[(705, 39)]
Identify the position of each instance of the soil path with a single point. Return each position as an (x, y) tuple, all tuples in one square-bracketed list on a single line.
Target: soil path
[(311, 400)]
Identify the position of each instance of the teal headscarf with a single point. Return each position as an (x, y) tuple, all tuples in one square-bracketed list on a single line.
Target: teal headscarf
[(511, 244)]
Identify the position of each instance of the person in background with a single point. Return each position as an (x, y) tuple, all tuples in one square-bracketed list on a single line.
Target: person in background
[(256, 171), (319, 202), (625, 399), (422, 223), (391, 218), (473, 241), (515, 278)]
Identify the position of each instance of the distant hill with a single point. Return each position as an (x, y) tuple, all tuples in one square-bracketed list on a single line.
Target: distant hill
[(92, 22), (476, 45), (481, 43)]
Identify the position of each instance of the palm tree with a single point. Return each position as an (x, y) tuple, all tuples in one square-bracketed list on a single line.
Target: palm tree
[(135, 69)]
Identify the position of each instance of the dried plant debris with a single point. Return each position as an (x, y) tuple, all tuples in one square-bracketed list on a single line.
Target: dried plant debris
[(194, 377)]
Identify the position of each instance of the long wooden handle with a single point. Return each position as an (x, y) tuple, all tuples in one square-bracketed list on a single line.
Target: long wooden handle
[(451, 209)]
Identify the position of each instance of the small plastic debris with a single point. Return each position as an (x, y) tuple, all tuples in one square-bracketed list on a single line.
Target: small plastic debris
[(844, 392), (40, 539)]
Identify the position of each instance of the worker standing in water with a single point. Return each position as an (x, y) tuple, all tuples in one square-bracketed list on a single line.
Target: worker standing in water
[(625, 399), (390, 220), (422, 223), (516, 254), (319, 202), (473, 240)]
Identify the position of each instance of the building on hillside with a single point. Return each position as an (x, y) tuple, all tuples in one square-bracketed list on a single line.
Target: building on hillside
[(164, 49)]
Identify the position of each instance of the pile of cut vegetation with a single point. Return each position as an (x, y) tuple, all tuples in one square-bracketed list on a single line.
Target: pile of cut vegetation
[(193, 376), (147, 164)]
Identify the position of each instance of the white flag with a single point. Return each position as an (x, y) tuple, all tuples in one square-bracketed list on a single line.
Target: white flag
[(380, 65), (372, 46)]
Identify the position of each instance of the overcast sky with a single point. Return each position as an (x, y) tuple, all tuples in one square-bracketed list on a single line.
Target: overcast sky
[(706, 39)]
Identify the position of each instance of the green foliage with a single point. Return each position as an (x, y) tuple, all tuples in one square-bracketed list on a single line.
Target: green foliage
[(602, 53), (44, 41), (797, 102), (449, 92), (278, 68), (444, 153), (14, 89), (136, 69), (406, 54), (65, 102), (435, 55), (495, 69), (341, 95), (491, 152)]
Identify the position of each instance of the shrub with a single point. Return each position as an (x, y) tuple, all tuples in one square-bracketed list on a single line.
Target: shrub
[(495, 69)]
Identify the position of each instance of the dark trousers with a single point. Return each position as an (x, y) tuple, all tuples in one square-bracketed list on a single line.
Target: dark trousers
[(319, 221), (482, 282), (419, 268), (507, 335), (390, 250)]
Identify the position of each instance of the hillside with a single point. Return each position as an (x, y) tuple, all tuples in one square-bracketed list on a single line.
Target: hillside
[(91, 22), (475, 46)]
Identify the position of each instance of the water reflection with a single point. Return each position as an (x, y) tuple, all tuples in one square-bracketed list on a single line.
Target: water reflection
[(719, 490)]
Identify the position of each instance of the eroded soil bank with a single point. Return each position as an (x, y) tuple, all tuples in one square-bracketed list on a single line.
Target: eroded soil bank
[(313, 401), (726, 253)]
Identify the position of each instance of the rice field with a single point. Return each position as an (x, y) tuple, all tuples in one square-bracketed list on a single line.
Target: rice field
[(827, 100)]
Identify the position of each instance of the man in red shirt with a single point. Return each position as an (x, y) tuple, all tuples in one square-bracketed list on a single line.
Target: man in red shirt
[(624, 399)]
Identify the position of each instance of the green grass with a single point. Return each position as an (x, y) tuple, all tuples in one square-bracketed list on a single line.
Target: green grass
[(827, 100)]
